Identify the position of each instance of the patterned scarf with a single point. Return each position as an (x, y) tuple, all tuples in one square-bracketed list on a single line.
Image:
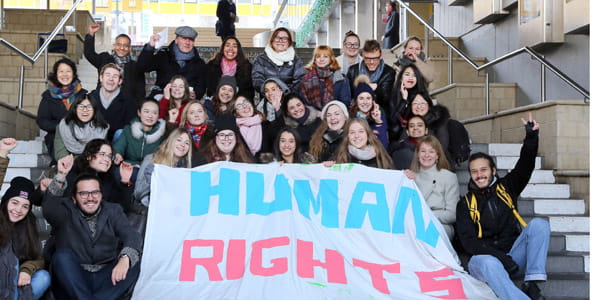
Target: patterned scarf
[(228, 67), (66, 95), (373, 76), (317, 87), (121, 61), (196, 132)]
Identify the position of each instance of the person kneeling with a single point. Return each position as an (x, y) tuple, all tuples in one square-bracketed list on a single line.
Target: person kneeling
[(97, 250)]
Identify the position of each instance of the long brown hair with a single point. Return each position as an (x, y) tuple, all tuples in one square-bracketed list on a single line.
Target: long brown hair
[(240, 152), (384, 161), (315, 145), (434, 143), (186, 92)]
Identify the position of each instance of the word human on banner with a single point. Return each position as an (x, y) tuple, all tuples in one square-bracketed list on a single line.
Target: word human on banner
[(247, 231)]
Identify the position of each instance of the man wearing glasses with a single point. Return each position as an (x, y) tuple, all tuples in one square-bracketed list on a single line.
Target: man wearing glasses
[(380, 74), (133, 81), (97, 250)]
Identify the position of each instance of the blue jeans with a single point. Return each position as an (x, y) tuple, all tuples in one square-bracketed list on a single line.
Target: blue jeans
[(81, 284), (40, 281), (529, 252)]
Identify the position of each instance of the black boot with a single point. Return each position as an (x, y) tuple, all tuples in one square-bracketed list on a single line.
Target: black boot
[(532, 290)]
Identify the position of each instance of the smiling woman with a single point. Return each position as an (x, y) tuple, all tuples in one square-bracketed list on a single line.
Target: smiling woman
[(82, 123), (361, 145)]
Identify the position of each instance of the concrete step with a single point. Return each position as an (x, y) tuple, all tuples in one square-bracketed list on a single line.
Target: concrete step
[(498, 149), (565, 286), (569, 224), (545, 207), (29, 147), (544, 190), (577, 242), (538, 176), (23, 160), (566, 262), (509, 162), (15, 172)]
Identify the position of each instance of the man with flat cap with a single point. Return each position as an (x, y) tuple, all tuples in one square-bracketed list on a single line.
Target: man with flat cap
[(179, 58)]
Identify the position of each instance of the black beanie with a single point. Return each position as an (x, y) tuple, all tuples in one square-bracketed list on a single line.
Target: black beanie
[(224, 122), (19, 187), (227, 80)]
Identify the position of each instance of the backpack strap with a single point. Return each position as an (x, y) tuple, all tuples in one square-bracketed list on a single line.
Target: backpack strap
[(507, 199)]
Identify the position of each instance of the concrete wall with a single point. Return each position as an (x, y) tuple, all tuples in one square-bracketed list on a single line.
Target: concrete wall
[(501, 37), (18, 124), (44, 20)]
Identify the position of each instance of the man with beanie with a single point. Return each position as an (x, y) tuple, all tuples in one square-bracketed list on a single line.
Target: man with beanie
[(222, 101), (97, 250), (179, 58), (134, 83), (490, 228)]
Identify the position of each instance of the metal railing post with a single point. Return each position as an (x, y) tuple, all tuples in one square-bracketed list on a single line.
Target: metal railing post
[(21, 87), (542, 83), (487, 93), (450, 67)]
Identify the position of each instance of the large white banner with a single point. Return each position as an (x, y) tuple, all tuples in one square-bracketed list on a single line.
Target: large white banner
[(249, 231)]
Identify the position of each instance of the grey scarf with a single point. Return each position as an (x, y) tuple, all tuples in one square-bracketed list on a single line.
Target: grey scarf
[(182, 58), (373, 76), (121, 61), (75, 137), (367, 154)]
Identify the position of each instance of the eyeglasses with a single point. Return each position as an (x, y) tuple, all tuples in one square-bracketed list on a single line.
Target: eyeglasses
[(242, 105), (107, 155), (86, 195), (84, 107), (281, 39), (371, 58), (226, 136), (352, 45)]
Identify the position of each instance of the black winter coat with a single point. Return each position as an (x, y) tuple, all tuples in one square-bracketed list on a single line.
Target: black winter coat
[(384, 84), (499, 226), (134, 80), (165, 65), (227, 22), (119, 113), (243, 78)]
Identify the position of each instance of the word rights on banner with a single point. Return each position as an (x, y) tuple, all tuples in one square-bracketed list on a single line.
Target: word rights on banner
[(248, 231)]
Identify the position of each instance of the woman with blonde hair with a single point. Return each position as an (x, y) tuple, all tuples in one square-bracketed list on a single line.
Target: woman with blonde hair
[(438, 185), (173, 152), (324, 81), (360, 145)]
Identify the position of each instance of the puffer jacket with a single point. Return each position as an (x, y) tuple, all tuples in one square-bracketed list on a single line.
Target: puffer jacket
[(291, 72)]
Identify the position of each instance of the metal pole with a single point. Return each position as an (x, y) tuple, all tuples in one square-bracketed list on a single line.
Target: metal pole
[(543, 83), (487, 93), (45, 62), (21, 87), (450, 66)]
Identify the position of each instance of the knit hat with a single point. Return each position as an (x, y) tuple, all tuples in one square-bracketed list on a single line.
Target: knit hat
[(363, 87), (225, 122), (186, 32), (334, 102), (19, 187), (227, 80), (281, 84)]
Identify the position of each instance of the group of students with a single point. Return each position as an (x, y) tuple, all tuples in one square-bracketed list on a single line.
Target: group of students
[(349, 109)]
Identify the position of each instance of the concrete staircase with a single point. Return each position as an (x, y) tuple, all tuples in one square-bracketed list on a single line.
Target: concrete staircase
[(568, 264)]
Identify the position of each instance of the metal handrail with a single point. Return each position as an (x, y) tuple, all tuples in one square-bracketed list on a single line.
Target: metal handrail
[(534, 54), (40, 51)]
